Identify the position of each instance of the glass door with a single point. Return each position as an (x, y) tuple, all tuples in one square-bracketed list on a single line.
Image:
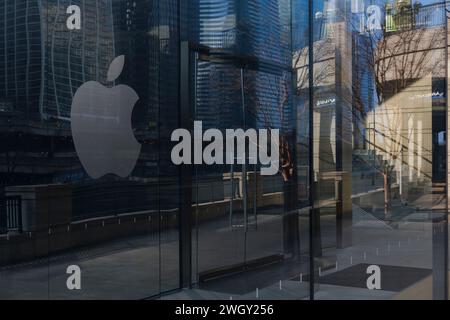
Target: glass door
[(219, 190), (246, 238)]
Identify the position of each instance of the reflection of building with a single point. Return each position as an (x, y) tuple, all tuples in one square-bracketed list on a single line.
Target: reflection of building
[(411, 108), (72, 58), (258, 29), (43, 65), (43, 62), (300, 27), (217, 29), (217, 23), (131, 39), (21, 66), (410, 57), (378, 111)]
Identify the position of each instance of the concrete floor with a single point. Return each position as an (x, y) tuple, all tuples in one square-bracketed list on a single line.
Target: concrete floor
[(137, 267), (407, 246)]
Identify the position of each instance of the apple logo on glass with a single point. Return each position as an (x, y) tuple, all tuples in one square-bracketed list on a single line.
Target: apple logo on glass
[(101, 126)]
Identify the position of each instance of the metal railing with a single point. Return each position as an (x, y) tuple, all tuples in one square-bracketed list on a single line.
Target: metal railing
[(10, 214), (427, 16), (393, 19)]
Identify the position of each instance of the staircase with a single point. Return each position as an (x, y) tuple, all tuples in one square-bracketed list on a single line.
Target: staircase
[(367, 171)]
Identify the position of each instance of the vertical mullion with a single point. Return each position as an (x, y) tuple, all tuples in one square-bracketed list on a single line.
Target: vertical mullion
[(311, 148)]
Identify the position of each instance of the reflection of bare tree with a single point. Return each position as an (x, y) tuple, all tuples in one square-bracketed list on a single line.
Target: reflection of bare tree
[(394, 61)]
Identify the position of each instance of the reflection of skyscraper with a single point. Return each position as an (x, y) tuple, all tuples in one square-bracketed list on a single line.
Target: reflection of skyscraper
[(257, 28), (20, 56), (42, 63), (217, 23), (300, 25), (74, 57), (131, 23), (265, 33), (263, 29)]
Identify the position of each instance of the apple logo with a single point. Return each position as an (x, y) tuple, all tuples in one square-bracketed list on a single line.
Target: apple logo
[(101, 126)]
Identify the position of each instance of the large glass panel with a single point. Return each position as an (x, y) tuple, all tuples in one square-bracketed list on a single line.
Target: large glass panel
[(92, 91), (219, 189), (379, 146), (89, 89), (25, 156), (250, 239), (247, 240)]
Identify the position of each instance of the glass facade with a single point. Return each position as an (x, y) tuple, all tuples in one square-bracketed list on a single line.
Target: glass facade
[(94, 93)]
